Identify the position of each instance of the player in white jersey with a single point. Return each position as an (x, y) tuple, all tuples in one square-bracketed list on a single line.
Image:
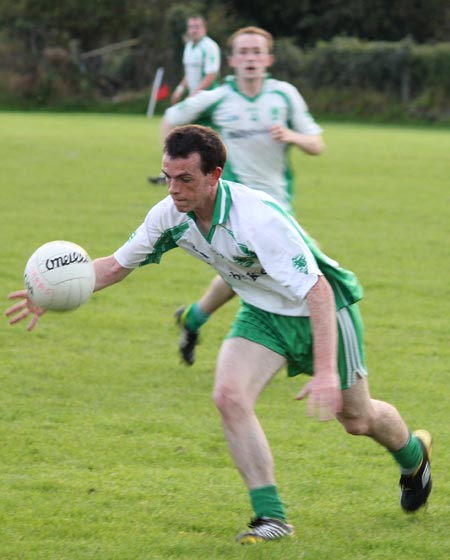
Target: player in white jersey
[(255, 157), (259, 119), (298, 308), (201, 60)]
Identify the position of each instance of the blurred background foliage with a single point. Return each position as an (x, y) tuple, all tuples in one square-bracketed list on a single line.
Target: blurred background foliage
[(355, 57)]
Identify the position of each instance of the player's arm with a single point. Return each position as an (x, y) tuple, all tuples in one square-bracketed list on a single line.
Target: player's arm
[(206, 83), (108, 271), (179, 91), (301, 129), (324, 389), (166, 127), (311, 144), (276, 238), (190, 110)]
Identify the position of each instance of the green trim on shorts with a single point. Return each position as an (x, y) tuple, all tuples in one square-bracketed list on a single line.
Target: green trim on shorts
[(291, 337)]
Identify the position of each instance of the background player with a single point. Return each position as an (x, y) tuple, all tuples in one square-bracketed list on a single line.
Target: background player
[(258, 118), (201, 63)]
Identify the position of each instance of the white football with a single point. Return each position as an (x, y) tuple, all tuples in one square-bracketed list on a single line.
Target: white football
[(59, 276)]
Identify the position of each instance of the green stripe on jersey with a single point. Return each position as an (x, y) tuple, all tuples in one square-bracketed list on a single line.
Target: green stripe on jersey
[(346, 287), (166, 242)]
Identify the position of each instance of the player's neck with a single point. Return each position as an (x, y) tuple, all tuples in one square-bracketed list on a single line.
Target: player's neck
[(203, 218), (205, 212), (197, 41), (204, 225), (250, 88)]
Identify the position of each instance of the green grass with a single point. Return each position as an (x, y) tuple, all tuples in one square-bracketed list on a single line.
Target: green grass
[(112, 450)]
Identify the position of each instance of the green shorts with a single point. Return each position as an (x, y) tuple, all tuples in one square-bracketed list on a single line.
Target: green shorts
[(291, 337)]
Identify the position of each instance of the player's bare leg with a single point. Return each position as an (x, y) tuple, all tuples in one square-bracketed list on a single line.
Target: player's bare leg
[(217, 294), (243, 370), (362, 415)]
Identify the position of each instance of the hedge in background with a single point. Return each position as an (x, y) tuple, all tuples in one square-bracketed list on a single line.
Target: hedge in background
[(345, 76), (361, 77)]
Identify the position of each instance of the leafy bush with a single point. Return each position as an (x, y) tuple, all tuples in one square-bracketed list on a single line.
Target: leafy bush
[(348, 75), (342, 76)]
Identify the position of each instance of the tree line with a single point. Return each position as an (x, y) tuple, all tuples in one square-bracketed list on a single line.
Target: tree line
[(99, 21), (48, 49)]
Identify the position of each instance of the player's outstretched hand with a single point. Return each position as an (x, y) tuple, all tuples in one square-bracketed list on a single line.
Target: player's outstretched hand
[(23, 309), (324, 397)]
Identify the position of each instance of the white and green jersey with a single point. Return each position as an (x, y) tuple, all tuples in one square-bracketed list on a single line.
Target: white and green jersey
[(200, 59), (257, 248), (254, 158)]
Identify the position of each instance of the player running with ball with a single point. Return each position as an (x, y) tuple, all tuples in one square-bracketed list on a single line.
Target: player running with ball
[(299, 308)]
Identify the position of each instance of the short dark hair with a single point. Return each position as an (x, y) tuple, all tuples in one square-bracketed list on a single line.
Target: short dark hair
[(183, 141)]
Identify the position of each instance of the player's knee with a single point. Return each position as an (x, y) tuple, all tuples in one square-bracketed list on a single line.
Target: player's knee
[(355, 425), (229, 401)]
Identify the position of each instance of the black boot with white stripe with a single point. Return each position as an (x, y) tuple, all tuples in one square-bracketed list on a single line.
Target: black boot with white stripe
[(416, 487), (265, 529)]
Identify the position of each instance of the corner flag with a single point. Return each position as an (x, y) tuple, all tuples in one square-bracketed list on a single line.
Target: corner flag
[(154, 93)]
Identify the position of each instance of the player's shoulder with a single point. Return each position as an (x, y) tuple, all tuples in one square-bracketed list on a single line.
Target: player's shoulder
[(203, 100), (248, 198), (209, 41), (212, 96), (273, 84), (288, 92), (255, 211)]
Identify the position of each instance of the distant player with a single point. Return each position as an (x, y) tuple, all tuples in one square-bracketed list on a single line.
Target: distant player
[(201, 62)]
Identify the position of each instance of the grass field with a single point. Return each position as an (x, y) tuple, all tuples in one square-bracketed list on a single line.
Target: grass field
[(110, 449)]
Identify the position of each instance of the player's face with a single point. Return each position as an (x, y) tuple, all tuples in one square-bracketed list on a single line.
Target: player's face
[(191, 190), (250, 56), (195, 29)]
